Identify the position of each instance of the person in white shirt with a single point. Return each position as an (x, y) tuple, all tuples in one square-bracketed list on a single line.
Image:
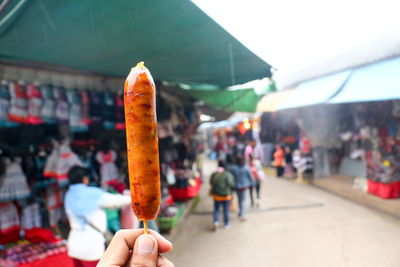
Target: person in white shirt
[(85, 206)]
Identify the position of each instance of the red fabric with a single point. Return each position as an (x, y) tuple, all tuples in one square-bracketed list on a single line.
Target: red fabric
[(120, 126), (19, 93), (66, 155), (382, 190), (56, 194), (169, 201), (49, 174), (16, 118), (81, 263), (86, 143), (106, 157), (38, 235), (85, 108), (305, 145), (117, 185), (32, 94), (12, 235), (61, 259)]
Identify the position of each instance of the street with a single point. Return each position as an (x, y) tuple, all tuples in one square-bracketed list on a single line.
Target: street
[(296, 225)]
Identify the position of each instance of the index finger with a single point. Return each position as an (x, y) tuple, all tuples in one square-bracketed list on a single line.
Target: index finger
[(118, 252)]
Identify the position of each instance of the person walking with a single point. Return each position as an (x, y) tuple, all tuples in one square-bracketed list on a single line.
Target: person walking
[(84, 206), (243, 181), (278, 160), (248, 152), (222, 184), (258, 174)]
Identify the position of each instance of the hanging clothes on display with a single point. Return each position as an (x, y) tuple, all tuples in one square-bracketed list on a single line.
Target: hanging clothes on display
[(50, 169), (54, 204), (75, 117), (108, 169), (35, 102), (119, 112), (31, 216), (62, 107), (109, 111), (5, 106), (9, 223), (19, 103), (67, 159), (85, 108), (96, 112), (49, 105), (13, 184)]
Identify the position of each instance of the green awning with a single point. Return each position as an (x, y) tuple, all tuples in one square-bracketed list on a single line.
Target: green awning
[(231, 99), (176, 40)]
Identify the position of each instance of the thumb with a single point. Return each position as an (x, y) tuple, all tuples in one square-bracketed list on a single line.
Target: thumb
[(145, 252)]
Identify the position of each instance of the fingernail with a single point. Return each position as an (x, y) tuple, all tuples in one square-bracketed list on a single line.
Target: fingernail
[(145, 244)]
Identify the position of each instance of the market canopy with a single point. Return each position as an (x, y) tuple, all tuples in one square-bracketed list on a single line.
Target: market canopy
[(317, 91), (242, 98), (375, 82), (175, 39), (271, 101)]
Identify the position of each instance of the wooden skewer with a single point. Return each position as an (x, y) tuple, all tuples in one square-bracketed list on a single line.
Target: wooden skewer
[(145, 227)]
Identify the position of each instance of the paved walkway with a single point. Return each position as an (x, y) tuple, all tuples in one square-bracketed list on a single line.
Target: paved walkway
[(296, 225)]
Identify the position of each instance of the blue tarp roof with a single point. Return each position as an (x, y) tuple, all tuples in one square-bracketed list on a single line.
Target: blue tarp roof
[(316, 91), (375, 82)]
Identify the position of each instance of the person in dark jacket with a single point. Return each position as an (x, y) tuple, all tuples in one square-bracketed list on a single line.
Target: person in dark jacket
[(243, 181), (222, 184)]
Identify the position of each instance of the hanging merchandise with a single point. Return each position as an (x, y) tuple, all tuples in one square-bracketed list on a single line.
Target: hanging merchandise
[(49, 105), (95, 107), (85, 108), (119, 112), (9, 223), (109, 111), (35, 102), (19, 104), (304, 143), (62, 107), (67, 159), (54, 204), (31, 216), (5, 106), (75, 117), (13, 182), (108, 169), (50, 169)]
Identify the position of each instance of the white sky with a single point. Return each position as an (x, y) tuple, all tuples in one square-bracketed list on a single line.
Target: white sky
[(290, 34)]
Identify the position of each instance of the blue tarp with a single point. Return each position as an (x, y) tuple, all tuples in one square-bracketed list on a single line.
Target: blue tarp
[(375, 82), (317, 91)]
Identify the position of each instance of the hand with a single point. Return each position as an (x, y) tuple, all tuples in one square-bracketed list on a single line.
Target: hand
[(133, 248)]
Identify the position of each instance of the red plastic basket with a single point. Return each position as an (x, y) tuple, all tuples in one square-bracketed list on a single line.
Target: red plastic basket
[(384, 190), (183, 194)]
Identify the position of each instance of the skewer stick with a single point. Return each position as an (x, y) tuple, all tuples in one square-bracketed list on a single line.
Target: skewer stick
[(145, 227)]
